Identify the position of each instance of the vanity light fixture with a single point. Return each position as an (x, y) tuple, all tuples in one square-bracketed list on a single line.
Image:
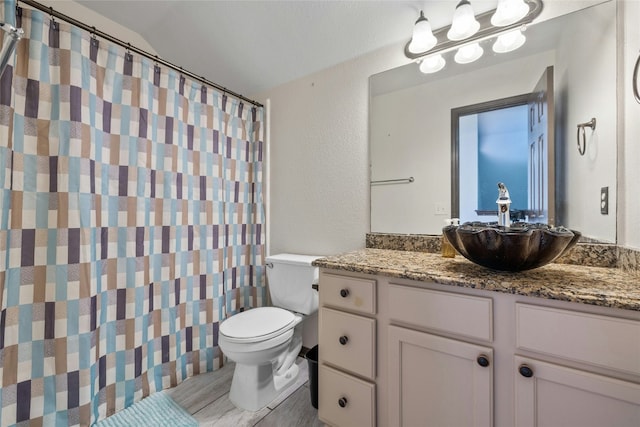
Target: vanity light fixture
[(423, 38), (509, 12), (505, 24), (432, 64), (508, 42), (468, 53), (464, 23)]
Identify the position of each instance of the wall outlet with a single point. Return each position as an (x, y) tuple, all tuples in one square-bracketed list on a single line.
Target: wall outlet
[(441, 209), (604, 200)]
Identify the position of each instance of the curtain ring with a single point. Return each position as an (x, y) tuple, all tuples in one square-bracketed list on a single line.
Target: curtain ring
[(92, 36), (582, 137), (52, 19)]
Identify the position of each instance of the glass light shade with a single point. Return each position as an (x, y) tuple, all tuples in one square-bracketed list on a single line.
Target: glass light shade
[(468, 53), (509, 41), (432, 64), (423, 38), (464, 23), (509, 12)]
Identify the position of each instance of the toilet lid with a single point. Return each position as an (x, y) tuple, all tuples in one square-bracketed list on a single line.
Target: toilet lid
[(256, 322)]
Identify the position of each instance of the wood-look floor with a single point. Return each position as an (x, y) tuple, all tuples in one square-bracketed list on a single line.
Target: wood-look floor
[(206, 397)]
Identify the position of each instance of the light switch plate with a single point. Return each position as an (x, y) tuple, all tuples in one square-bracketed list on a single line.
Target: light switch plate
[(604, 200)]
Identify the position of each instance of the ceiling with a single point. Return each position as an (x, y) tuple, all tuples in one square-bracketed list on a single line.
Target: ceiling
[(251, 46)]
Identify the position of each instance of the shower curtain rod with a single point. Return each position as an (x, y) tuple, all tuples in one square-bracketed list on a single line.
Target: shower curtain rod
[(54, 13)]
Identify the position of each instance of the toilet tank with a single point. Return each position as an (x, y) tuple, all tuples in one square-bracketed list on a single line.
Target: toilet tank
[(290, 278)]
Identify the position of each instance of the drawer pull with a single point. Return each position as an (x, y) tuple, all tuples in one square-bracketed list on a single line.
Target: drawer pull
[(343, 340), (344, 293), (342, 402), (525, 371), (483, 360)]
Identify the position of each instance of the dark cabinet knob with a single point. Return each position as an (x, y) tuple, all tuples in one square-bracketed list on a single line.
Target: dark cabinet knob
[(344, 293), (525, 371), (343, 340), (342, 402), (483, 360)]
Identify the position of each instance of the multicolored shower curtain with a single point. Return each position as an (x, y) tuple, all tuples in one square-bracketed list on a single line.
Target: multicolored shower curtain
[(131, 223)]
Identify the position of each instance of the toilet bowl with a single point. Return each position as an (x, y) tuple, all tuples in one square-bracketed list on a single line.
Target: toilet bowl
[(264, 342)]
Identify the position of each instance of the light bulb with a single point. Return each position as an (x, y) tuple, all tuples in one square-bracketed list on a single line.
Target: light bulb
[(509, 12), (509, 41), (468, 53), (432, 64), (464, 22), (423, 38)]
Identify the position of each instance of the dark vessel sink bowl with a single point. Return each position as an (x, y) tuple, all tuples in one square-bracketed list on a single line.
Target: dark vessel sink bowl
[(522, 246)]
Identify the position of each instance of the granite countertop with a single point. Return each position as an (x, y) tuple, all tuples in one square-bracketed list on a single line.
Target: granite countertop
[(608, 287)]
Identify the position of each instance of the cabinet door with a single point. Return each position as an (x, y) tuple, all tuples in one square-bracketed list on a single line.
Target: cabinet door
[(552, 395), (437, 381)]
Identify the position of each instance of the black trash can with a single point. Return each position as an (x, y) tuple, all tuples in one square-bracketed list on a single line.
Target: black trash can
[(312, 360)]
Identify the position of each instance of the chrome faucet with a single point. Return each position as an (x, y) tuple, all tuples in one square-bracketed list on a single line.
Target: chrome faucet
[(503, 201)]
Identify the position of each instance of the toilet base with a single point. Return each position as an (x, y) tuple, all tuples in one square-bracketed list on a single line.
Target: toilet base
[(254, 386)]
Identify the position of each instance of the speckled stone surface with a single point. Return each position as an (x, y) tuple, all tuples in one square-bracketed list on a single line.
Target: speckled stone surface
[(608, 287), (589, 254), (405, 242), (629, 261)]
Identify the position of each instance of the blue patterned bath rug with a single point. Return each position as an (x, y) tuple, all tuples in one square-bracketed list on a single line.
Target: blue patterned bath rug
[(157, 410)]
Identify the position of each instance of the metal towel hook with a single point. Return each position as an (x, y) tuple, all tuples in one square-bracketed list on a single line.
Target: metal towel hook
[(582, 137)]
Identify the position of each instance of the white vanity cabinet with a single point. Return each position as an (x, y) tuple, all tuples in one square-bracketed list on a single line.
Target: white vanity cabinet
[(564, 393), (434, 380), (455, 356), (347, 352)]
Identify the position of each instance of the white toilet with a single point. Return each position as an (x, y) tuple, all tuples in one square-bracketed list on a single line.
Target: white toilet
[(264, 342)]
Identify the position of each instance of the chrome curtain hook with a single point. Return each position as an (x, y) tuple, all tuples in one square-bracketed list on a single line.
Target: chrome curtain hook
[(581, 135), (52, 19)]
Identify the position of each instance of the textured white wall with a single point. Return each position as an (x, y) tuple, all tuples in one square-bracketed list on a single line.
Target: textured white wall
[(83, 14), (319, 183)]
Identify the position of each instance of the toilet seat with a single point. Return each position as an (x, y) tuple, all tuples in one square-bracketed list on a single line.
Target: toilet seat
[(258, 324)]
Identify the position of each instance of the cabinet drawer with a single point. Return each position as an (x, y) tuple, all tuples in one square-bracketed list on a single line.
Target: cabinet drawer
[(358, 395), (602, 341), (348, 341), (348, 292), (457, 314)]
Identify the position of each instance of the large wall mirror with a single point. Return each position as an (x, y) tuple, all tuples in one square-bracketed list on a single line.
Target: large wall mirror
[(415, 186)]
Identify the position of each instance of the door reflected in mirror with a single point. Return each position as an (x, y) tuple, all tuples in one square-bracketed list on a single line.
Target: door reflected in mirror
[(506, 140), (493, 148)]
